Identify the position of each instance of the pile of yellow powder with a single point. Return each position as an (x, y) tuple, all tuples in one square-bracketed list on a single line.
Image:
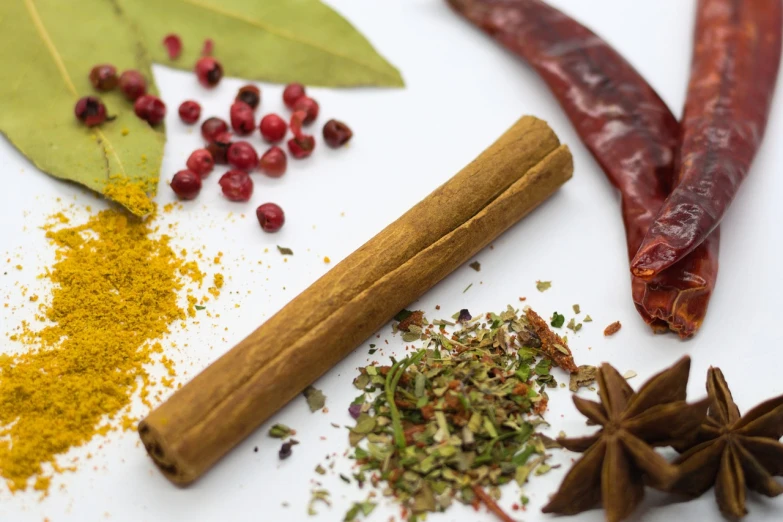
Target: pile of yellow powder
[(115, 291)]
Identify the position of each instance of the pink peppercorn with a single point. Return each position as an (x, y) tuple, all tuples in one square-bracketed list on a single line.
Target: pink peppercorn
[(189, 111), (90, 110), (186, 184), (219, 148), (310, 106), (150, 108), (336, 133), (241, 155), (173, 45), (291, 93), (104, 77), (270, 217), (236, 185), (208, 71), (212, 127), (132, 84), (273, 128), (242, 119), (302, 146), (201, 162), (273, 162)]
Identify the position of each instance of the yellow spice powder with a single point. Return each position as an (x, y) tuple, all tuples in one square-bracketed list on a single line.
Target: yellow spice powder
[(115, 290)]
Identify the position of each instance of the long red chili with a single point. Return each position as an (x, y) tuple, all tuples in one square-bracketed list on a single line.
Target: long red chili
[(629, 130), (735, 66)]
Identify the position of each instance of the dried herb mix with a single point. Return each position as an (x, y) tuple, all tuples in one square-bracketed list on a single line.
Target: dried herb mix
[(457, 418)]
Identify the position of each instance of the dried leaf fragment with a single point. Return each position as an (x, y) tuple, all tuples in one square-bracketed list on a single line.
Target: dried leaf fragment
[(475, 265), (543, 286), (316, 400), (285, 251), (583, 377)]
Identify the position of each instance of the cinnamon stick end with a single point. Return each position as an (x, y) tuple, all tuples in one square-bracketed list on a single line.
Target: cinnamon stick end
[(164, 459)]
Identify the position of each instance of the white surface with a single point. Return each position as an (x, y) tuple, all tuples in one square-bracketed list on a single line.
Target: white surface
[(462, 92)]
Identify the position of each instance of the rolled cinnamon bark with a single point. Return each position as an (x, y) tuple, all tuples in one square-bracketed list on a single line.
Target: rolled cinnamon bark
[(191, 431)]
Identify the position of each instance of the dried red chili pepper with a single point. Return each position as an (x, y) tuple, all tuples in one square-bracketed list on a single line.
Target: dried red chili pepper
[(735, 66), (626, 126)]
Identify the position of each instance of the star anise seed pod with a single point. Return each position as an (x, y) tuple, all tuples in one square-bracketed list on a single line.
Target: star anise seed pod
[(619, 459), (733, 452)]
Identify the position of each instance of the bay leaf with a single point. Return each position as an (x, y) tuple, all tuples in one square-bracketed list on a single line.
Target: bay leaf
[(278, 41), (47, 50)]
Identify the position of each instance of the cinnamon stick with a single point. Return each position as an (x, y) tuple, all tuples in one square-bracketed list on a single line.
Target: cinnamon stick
[(191, 431)]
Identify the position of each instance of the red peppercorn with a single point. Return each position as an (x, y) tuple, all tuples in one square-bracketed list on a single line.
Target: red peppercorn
[(273, 128), (90, 110), (270, 217), (302, 146), (208, 47), (249, 94), (186, 184), (212, 127), (310, 106), (273, 162), (132, 84), (236, 185), (201, 162), (242, 120), (219, 148), (291, 93), (242, 155), (104, 77), (150, 109), (173, 44), (336, 133), (208, 71), (189, 111)]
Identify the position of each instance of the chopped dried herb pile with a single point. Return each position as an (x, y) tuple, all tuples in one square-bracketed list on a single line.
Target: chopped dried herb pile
[(458, 418)]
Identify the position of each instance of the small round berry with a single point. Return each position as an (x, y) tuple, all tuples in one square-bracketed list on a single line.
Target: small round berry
[(173, 45), (236, 185), (208, 71), (251, 95), (273, 128), (273, 162), (150, 109), (242, 155), (212, 127), (336, 133), (242, 119), (302, 146), (132, 84), (201, 162), (270, 217), (90, 110), (310, 106), (104, 77), (219, 148), (291, 93), (186, 184), (189, 111)]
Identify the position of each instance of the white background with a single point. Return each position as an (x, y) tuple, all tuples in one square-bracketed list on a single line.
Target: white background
[(462, 92)]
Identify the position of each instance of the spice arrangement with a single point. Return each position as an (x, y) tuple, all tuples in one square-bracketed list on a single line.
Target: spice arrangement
[(459, 417), (271, 366), (671, 216)]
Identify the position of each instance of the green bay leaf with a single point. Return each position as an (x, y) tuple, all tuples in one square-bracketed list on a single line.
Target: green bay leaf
[(278, 41), (47, 50)]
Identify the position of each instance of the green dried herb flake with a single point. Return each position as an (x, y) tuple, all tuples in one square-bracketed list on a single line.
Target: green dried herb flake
[(285, 251), (558, 320), (475, 265), (280, 431), (359, 508), (577, 309), (316, 400), (543, 286)]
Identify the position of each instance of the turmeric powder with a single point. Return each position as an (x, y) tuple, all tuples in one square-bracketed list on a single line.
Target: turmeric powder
[(115, 289)]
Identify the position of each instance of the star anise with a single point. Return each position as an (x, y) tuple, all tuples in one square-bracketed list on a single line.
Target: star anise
[(733, 452), (619, 459)]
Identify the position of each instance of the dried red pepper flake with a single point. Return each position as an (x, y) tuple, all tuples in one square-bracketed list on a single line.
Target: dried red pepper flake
[(236, 185), (208, 47), (273, 128), (612, 328), (90, 110), (173, 45), (186, 184), (104, 77), (273, 162)]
